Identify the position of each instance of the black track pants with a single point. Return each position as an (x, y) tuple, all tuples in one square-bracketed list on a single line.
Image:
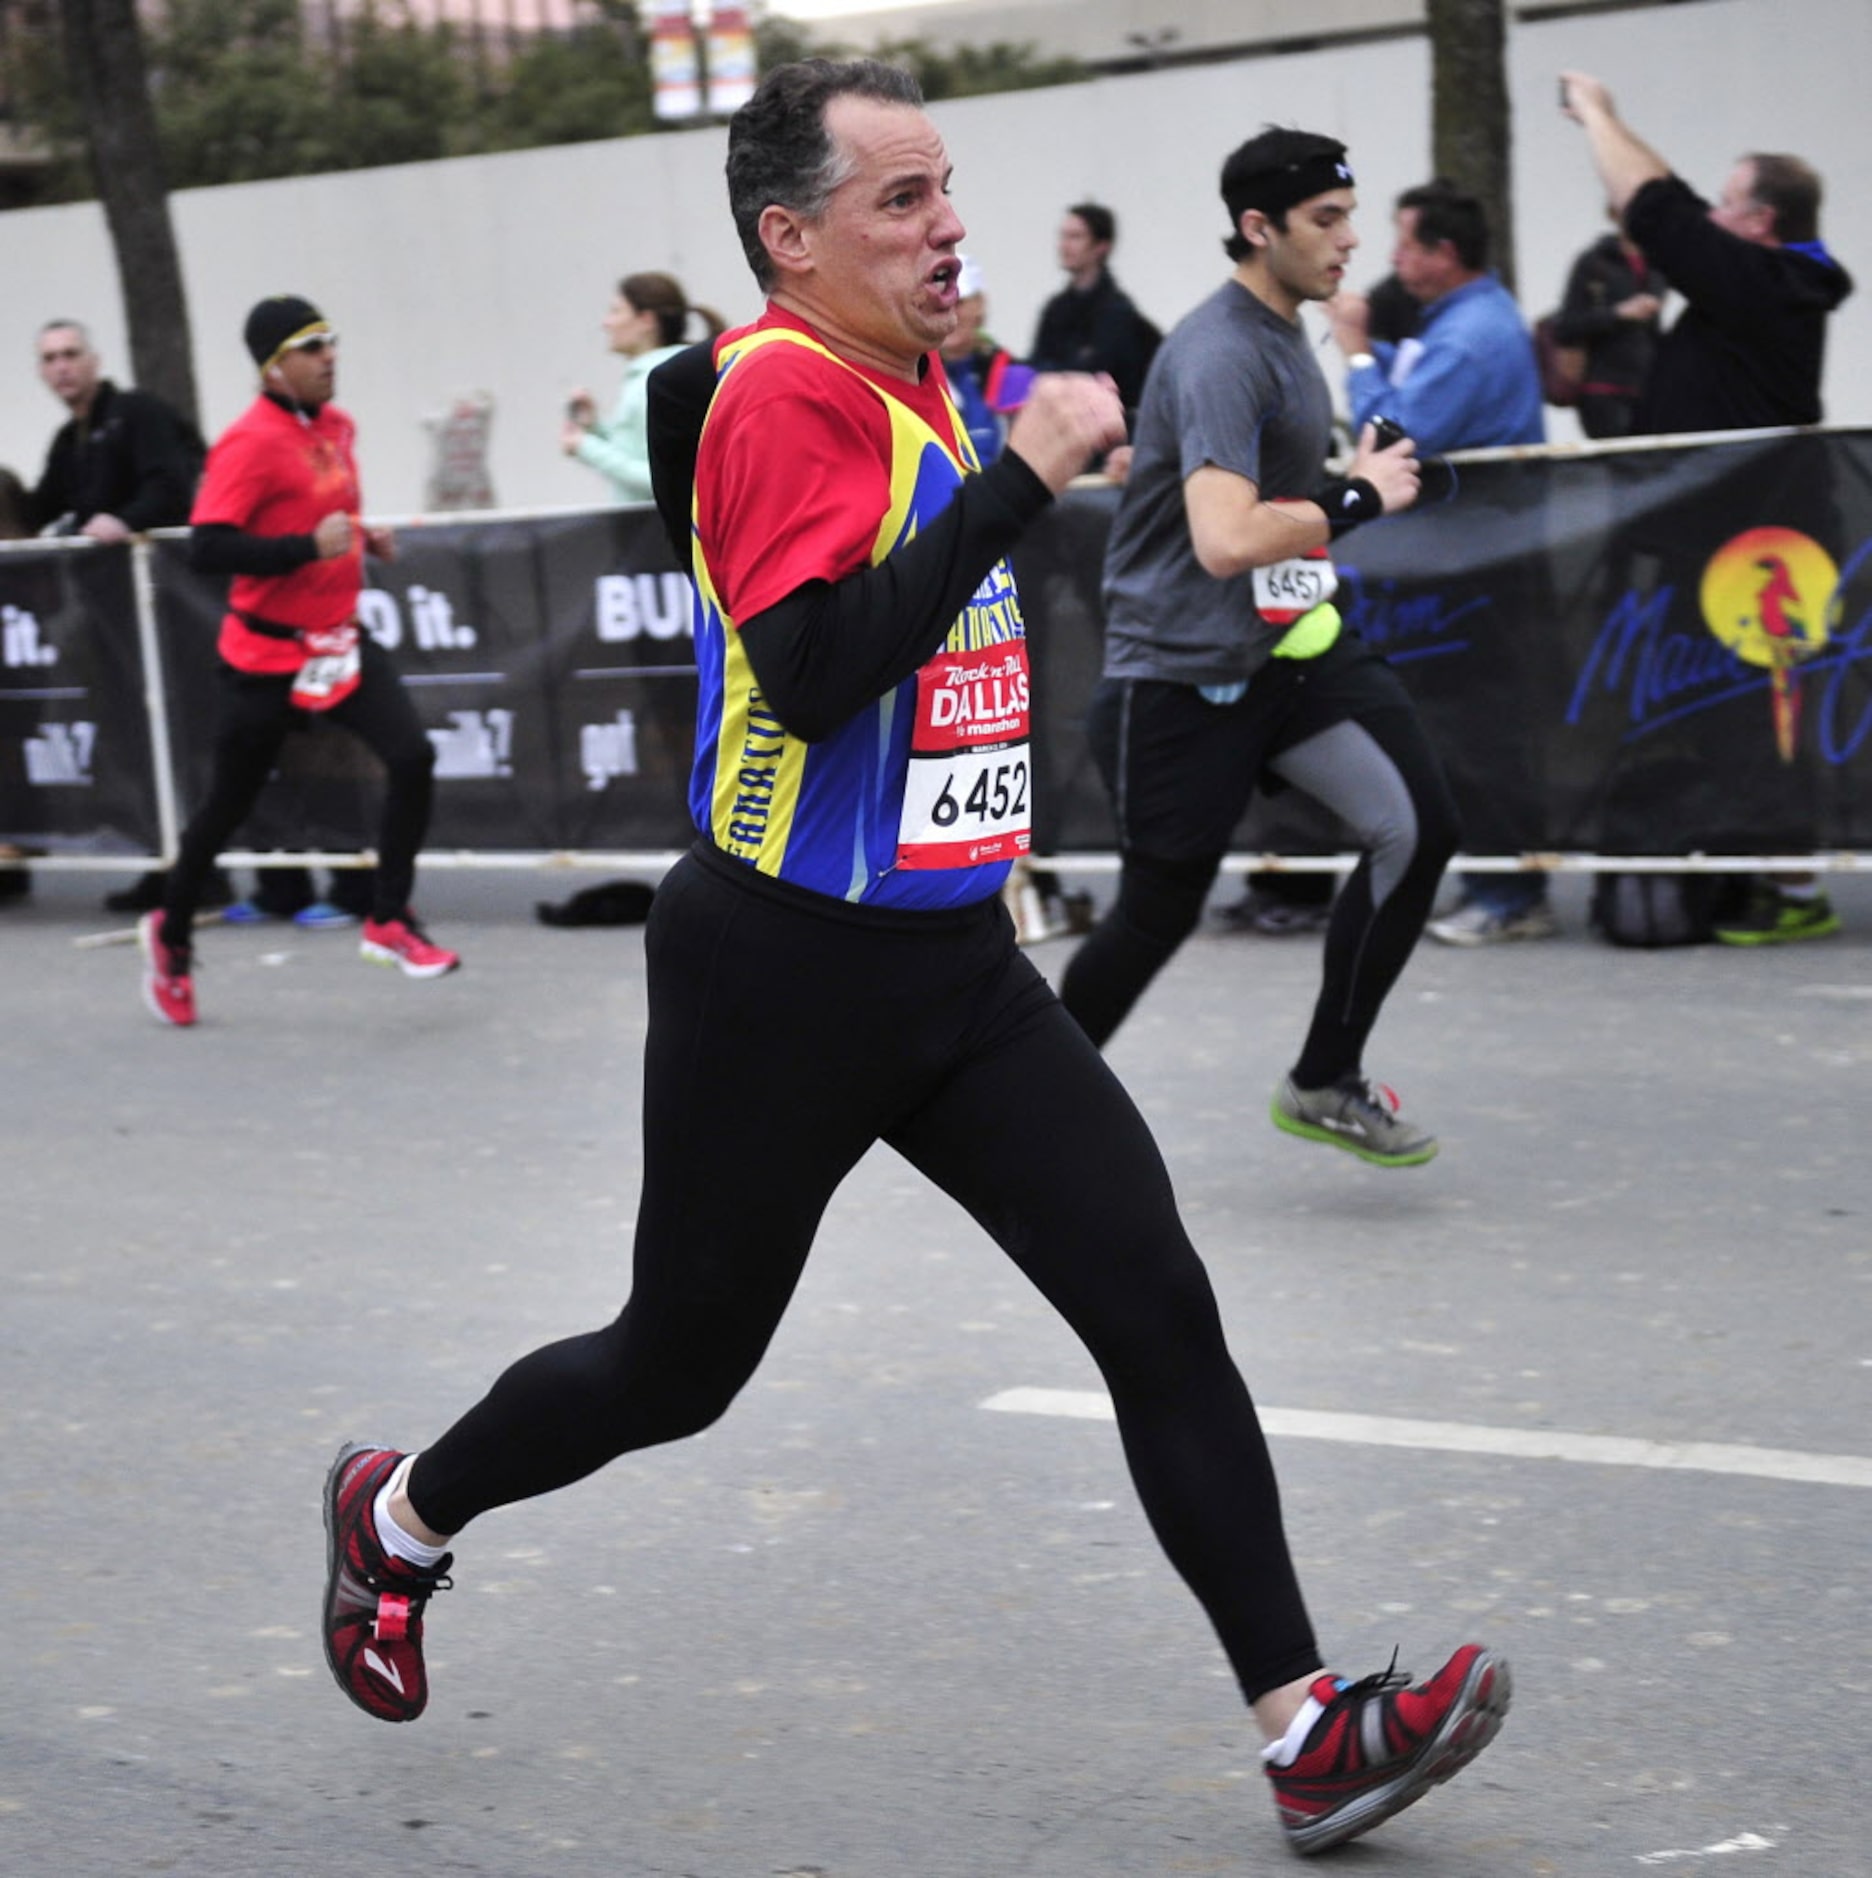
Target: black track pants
[(256, 712), (783, 1041)]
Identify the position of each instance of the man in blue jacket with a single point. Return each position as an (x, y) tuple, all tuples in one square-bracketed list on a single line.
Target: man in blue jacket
[(1467, 380)]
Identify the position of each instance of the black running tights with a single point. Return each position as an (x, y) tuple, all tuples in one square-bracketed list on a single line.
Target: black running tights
[(256, 712), (782, 1043), (1381, 776)]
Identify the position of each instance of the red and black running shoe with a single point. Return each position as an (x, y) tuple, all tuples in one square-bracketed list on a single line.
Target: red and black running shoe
[(168, 987), (404, 944), (373, 1602), (1381, 1745)]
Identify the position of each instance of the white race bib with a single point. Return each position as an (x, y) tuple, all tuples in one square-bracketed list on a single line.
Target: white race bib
[(968, 787), (1286, 589), (332, 669)]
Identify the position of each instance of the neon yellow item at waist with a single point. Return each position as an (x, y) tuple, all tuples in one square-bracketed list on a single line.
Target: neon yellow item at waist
[(1311, 634)]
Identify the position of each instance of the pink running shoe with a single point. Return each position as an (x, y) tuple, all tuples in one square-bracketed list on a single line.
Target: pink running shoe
[(401, 942), (1381, 1745), (373, 1623), (167, 987)]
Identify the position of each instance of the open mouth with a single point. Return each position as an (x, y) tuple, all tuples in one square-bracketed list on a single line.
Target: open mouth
[(943, 278)]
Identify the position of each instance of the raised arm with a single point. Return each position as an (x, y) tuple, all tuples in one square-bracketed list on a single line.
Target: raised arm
[(1625, 162)]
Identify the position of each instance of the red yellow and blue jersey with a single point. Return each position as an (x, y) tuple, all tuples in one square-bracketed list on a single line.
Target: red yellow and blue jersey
[(809, 469)]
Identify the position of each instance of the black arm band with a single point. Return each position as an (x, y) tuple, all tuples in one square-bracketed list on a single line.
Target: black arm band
[(1348, 500)]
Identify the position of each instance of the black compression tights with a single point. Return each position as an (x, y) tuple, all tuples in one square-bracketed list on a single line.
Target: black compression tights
[(1382, 778), (782, 1044)]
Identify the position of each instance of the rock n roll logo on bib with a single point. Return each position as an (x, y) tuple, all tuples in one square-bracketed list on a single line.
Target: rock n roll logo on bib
[(1765, 595)]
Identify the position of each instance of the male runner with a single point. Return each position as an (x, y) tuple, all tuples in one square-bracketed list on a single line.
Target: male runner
[(1227, 666), (278, 509), (837, 935)]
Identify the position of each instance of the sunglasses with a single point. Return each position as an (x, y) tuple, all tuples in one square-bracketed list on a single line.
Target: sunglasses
[(316, 344)]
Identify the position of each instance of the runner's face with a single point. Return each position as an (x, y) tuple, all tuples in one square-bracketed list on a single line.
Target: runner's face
[(308, 375), (883, 267), (627, 329), (68, 366), (1307, 260)]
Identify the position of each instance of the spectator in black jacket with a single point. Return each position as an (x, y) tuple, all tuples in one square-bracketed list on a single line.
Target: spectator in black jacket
[(1746, 352), (1090, 325), (125, 462), (1613, 298)]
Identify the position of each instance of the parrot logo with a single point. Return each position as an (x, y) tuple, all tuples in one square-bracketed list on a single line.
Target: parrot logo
[(1765, 596)]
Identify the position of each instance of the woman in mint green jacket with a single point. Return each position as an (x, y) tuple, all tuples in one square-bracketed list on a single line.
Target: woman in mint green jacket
[(646, 323)]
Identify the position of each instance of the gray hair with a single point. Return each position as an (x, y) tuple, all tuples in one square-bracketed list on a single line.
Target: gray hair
[(780, 152), (64, 326)]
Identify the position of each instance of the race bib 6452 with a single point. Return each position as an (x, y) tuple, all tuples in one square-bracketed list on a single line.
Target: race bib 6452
[(968, 792)]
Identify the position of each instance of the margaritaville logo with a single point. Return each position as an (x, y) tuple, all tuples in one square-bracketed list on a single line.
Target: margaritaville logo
[(1766, 595)]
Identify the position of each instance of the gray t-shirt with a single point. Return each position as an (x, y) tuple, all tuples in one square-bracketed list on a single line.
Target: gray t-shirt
[(1237, 386)]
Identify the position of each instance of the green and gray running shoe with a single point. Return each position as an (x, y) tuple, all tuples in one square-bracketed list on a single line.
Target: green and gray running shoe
[(1357, 1115), (1773, 918)]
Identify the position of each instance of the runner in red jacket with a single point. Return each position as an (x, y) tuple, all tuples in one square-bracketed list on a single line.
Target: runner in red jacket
[(279, 509)]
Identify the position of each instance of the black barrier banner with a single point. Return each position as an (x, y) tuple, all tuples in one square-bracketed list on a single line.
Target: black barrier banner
[(552, 663), (76, 773), (1658, 652), (1648, 651)]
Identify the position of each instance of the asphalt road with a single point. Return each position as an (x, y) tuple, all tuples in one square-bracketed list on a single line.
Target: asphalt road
[(869, 1627)]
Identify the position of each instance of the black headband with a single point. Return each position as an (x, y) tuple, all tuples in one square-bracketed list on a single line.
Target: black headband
[(1273, 191)]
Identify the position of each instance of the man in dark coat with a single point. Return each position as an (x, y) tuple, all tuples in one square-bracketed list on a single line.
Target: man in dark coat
[(123, 463), (1745, 354), (1091, 325)]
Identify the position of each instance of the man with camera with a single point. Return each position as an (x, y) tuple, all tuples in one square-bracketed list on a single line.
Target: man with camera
[(1745, 353), (1227, 667)]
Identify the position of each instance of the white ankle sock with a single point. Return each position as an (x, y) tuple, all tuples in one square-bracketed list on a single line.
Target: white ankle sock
[(390, 1535), (1282, 1753)]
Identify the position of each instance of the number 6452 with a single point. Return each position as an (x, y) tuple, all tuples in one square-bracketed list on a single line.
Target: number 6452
[(994, 795)]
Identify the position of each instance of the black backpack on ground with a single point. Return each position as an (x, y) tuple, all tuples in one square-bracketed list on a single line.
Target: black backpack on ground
[(1665, 909)]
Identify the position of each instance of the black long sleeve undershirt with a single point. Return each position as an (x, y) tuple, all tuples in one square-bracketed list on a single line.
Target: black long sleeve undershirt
[(221, 548), (832, 647)]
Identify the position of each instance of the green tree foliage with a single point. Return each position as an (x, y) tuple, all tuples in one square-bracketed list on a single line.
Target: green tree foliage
[(591, 83), (244, 90), (238, 94), (399, 94), (943, 72), (970, 71)]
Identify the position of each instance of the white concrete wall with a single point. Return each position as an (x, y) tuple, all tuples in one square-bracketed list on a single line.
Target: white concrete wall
[(491, 272)]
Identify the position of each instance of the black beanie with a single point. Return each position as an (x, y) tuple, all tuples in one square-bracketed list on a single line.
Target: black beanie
[(276, 321)]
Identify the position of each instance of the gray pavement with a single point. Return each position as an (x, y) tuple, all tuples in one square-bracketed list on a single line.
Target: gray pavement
[(868, 1628)]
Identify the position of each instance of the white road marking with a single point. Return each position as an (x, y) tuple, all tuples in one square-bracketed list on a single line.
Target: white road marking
[(1526, 1444), (1742, 1842)]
